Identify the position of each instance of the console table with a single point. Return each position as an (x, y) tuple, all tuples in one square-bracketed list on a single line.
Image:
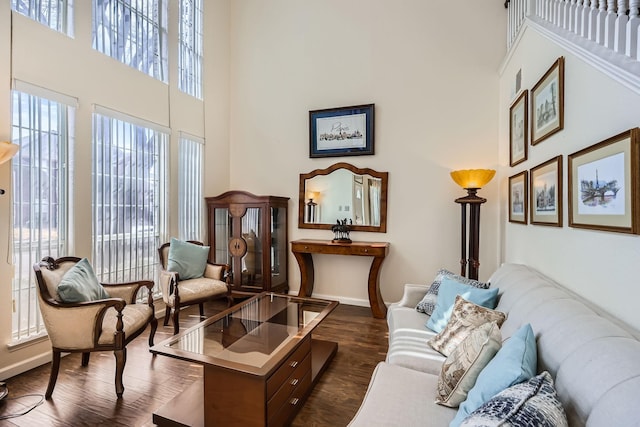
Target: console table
[(302, 250)]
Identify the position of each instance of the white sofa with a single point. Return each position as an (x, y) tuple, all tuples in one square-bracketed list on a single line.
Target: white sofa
[(593, 358)]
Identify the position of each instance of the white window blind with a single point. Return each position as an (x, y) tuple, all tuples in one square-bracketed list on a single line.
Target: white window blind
[(43, 128), (133, 32), (129, 197), (190, 177), (190, 48), (55, 14)]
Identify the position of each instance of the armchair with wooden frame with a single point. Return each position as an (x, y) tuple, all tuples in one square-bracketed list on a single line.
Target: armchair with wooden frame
[(177, 293), (100, 325)]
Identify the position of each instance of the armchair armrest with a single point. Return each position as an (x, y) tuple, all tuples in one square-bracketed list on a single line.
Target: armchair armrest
[(216, 271), (77, 325), (413, 294), (127, 291)]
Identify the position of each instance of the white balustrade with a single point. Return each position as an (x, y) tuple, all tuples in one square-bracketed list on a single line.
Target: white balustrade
[(620, 27), (632, 33)]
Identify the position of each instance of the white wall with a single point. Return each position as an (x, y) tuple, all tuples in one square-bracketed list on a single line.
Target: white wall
[(70, 66), (601, 266), (432, 73)]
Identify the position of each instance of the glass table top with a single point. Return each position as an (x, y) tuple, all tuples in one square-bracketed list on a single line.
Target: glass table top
[(250, 333)]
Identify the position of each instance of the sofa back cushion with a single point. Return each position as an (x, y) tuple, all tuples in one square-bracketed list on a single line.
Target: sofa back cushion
[(593, 358)]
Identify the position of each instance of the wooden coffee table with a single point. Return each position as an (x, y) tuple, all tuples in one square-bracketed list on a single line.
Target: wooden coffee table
[(260, 363)]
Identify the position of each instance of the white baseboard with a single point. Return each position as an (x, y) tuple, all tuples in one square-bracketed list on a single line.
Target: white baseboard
[(25, 365)]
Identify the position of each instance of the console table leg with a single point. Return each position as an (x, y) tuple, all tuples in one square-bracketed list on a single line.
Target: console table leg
[(305, 262), (378, 308)]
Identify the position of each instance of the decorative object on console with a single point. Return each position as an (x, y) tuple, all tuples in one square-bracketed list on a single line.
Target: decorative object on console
[(546, 193), (471, 180), (344, 131), (547, 103), (518, 197), (359, 194), (604, 181), (341, 231), (7, 151), (519, 129)]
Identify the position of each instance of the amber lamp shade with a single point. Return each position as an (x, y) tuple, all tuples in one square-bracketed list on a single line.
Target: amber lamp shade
[(473, 178)]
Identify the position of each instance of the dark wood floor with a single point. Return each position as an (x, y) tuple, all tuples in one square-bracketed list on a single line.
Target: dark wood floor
[(86, 396)]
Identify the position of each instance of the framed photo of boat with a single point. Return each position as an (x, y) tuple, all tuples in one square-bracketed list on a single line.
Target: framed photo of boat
[(604, 181), (518, 129), (518, 197), (545, 192), (547, 103), (343, 131)]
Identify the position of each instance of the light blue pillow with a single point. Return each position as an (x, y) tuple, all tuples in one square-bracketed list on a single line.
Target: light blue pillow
[(80, 284), (514, 363), (449, 289), (187, 259)]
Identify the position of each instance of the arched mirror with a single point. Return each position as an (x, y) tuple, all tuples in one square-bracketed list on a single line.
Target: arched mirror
[(343, 191)]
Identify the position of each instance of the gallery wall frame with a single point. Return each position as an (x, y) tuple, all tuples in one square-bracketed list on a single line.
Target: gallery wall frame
[(518, 197), (519, 129), (342, 131), (547, 103), (604, 181), (545, 193)]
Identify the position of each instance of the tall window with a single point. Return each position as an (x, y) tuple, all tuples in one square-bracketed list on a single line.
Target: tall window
[(55, 14), (190, 174), (43, 129), (134, 32), (190, 48), (129, 196)]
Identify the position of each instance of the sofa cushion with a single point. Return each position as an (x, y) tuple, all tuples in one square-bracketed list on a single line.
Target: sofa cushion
[(447, 293), (428, 303), (465, 317), (462, 367), (187, 259), (80, 284), (533, 402), (401, 397), (514, 363)]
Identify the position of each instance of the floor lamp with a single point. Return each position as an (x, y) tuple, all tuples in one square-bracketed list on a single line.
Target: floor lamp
[(471, 180)]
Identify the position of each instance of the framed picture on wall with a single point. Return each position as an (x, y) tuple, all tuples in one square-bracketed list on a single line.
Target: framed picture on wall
[(604, 181), (344, 131), (518, 129), (547, 103), (518, 197), (545, 190)]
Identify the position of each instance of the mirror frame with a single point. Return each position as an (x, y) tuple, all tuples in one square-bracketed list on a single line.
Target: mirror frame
[(383, 176)]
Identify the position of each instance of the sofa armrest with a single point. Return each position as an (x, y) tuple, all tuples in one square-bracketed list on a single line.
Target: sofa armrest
[(413, 294)]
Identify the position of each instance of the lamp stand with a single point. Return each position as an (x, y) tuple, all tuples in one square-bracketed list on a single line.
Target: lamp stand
[(473, 261), (311, 211)]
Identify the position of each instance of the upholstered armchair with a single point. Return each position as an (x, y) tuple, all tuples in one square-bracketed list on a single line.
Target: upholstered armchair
[(108, 318), (186, 277)]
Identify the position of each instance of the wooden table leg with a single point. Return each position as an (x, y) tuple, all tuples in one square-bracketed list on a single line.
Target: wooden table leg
[(378, 308), (305, 262)]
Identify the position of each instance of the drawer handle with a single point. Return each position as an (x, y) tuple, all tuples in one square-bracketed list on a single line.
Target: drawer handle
[(293, 364), (294, 401), (294, 381)]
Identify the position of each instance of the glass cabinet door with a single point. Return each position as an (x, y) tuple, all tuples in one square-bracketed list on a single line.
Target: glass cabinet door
[(278, 246), (252, 259), (222, 232)]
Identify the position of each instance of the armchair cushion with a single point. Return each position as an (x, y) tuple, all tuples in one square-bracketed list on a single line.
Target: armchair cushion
[(195, 289), (134, 318), (187, 259), (80, 284)]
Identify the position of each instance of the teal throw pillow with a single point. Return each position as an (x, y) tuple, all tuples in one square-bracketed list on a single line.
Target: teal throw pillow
[(514, 363), (80, 284), (449, 289), (187, 259)]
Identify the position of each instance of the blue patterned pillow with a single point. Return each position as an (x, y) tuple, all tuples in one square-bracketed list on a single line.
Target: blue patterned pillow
[(532, 403), (428, 303)]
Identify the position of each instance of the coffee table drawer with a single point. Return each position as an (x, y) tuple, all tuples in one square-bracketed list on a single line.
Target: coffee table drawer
[(285, 370), (292, 382), (279, 416)]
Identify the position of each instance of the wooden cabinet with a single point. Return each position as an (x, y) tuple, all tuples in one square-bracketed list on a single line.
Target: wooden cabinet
[(249, 233)]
